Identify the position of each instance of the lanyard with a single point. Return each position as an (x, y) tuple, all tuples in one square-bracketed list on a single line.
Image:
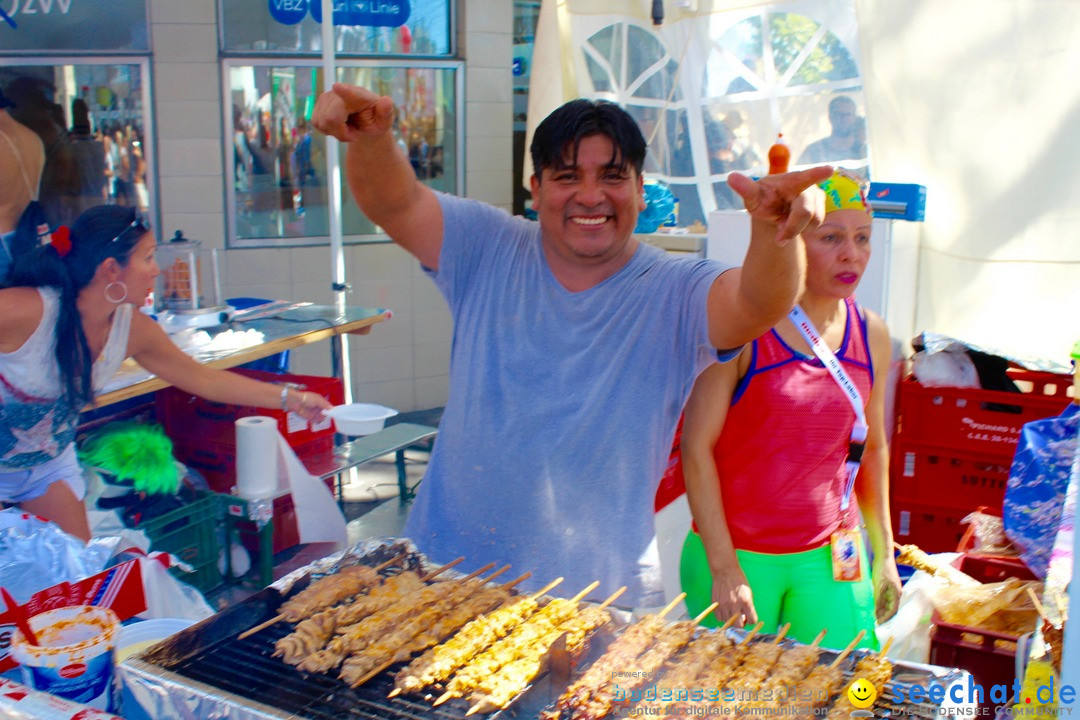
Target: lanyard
[(859, 430)]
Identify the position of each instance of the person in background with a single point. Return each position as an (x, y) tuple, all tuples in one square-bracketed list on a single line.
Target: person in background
[(843, 143), (765, 450), (22, 158), (85, 174), (574, 346), (68, 324)]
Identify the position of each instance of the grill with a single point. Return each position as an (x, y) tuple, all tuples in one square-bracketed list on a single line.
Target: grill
[(211, 673)]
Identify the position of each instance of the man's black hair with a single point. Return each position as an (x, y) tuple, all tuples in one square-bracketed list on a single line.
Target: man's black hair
[(557, 138)]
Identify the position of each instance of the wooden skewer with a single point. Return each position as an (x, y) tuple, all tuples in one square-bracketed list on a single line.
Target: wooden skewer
[(819, 638), (753, 631), (780, 635), (1038, 605), (614, 596), (478, 572), (728, 623), (438, 571), (496, 574), (508, 586), (540, 593), (671, 605), (847, 651), (261, 626), (517, 581), (885, 648), (279, 617), (704, 613), (588, 589)]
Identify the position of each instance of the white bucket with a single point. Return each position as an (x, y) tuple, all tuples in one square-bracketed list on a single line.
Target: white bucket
[(74, 659), (139, 636)]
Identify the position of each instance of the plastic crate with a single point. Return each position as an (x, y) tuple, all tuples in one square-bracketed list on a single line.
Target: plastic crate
[(191, 419), (933, 528), (979, 422), (189, 533), (928, 475), (988, 655), (216, 461)]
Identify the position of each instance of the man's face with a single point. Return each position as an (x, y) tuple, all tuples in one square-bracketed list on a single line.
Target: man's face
[(588, 210), (842, 118)]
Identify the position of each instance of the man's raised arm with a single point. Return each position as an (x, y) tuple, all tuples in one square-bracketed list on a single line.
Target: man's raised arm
[(380, 177), (745, 302)]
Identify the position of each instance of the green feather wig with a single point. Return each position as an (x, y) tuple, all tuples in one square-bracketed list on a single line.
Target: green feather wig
[(136, 454)]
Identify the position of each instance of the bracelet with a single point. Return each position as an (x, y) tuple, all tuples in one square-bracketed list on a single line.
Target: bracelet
[(284, 397)]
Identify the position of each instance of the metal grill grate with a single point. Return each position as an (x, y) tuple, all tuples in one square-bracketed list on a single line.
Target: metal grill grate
[(245, 668)]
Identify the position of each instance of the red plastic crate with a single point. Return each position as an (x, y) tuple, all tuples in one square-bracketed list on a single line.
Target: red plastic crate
[(979, 422), (191, 419), (929, 475), (931, 527), (989, 656), (216, 461)]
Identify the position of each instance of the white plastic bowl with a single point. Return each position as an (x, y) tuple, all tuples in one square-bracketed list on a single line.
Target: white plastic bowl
[(360, 418), (139, 636)]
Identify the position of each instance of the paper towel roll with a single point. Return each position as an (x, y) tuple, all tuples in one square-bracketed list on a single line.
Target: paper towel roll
[(256, 457)]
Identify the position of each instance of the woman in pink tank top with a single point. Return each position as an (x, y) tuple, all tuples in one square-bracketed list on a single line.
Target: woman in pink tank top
[(765, 455)]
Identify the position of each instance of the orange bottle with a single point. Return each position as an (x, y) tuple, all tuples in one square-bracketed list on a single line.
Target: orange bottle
[(779, 156)]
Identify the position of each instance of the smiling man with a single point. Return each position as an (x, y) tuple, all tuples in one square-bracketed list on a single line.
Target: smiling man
[(574, 346)]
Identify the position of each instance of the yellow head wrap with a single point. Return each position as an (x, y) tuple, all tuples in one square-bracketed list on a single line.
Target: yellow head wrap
[(844, 192)]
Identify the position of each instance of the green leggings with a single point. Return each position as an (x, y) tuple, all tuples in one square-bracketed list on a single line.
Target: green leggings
[(794, 588)]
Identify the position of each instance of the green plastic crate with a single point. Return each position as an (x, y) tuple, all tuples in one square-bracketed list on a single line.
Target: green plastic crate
[(190, 533)]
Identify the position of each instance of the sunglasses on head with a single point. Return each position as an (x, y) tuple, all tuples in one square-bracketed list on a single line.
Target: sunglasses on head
[(141, 222)]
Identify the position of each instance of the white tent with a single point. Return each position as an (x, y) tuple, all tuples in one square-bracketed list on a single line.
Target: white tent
[(977, 101)]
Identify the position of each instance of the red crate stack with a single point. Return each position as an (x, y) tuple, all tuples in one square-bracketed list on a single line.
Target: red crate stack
[(204, 435), (953, 449)]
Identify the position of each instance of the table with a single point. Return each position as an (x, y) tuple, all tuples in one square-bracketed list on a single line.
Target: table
[(286, 330)]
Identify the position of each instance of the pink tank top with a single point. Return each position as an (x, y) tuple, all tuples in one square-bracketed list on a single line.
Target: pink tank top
[(781, 454)]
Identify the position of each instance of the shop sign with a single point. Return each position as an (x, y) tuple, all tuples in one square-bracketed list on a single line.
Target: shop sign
[(363, 13), (58, 26)]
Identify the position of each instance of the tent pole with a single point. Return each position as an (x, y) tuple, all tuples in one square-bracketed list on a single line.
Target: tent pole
[(340, 343)]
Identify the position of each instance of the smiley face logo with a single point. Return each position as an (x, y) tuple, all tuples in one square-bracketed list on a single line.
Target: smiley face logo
[(862, 693)]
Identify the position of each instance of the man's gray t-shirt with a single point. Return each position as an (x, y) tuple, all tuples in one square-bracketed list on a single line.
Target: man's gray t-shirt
[(562, 406)]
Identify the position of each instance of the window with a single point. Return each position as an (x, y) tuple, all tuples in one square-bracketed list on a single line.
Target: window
[(91, 116), (711, 91), (276, 167)]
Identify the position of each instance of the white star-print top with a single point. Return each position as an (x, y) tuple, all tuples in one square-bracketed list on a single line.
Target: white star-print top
[(36, 423)]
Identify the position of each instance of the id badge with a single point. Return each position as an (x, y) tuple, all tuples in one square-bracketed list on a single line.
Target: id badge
[(846, 564)]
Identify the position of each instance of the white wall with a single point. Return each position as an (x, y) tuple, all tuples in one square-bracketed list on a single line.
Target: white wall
[(403, 363), (979, 101)]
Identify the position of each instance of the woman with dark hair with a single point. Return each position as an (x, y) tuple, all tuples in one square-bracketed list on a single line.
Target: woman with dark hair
[(68, 325)]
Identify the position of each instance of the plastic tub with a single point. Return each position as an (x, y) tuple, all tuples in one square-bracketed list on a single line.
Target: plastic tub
[(74, 657), (139, 636), (360, 418)]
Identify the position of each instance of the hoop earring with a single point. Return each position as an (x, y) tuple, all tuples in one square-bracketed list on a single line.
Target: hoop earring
[(109, 292)]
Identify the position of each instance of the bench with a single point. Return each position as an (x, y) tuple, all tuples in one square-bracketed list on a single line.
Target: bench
[(392, 439)]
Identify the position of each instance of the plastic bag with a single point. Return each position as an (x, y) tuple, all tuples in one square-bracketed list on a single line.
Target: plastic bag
[(659, 204), (1038, 480), (948, 368), (1002, 607), (989, 534)]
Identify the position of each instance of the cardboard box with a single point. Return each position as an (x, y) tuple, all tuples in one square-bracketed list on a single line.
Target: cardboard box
[(119, 588)]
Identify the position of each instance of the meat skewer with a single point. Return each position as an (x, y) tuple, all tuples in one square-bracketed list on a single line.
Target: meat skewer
[(513, 646), (434, 624), (312, 634), (497, 691), (684, 670), (913, 556), (823, 682), (354, 638), (442, 661), (622, 652), (791, 668), (875, 669), (325, 592)]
